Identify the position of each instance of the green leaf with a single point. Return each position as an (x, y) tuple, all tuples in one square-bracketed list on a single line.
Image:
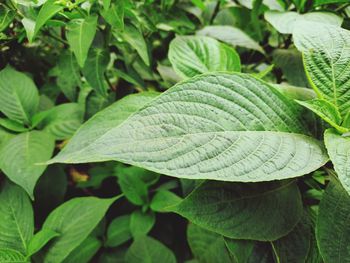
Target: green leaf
[(85, 251), (224, 126), (150, 250), (47, 11), (20, 155), (296, 93), (94, 69), (338, 151), (332, 227), (11, 256), (326, 110), (284, 22), (29, 26), (141, 223), (232, 36), (241, 250), (114, 15), (194, 55), (163, 199), (118, 231), (80, 34), (17, 220), (12, 125), (106, 120), (74, 220), (40, 239), (260, 211), (324, 2), (19, 97), (207, 246), (326, 60), (6, 17)]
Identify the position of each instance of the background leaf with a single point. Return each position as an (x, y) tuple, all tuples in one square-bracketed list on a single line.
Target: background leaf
[(118, 231)]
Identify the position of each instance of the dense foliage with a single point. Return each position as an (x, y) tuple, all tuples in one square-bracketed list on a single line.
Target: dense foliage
[(175, 131)]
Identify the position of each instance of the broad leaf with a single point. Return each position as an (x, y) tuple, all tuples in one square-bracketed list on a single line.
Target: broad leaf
[(17, 220), (94, 69), (74, 221), (118, 231), (284, 22), (207, 246), (40, 239), (12, 125), (333, 228), (229, 127), (232, 36), (147, 249), (260, 211), (326, 58), (6, 17), (20, 155), (338, 151), (80, 34), (11, 256), (134, 189), (141, 223), (19, 97), (241, 250), (164, 199), (85, 251), (193, 55)]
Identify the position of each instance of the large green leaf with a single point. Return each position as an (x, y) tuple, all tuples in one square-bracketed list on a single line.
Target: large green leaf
[(150, 250), (284, 22), (338, 151), (74, 221), (207, 246), (17, 220), (193, 55), (11, 256), (333, 228), (20, 155), (80, 34), (326, 59), (19, 97), (241, 250), (260, 211), (85, 251), (229, 127)]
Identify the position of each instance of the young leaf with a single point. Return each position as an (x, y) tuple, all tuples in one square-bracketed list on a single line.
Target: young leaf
[(150, 250), (19, 97), (193, 55), (326, 59), (338, 148), (332, 227), (80, 34), (85, 251), (40, 239), (141, 223), (164, 199), (118, 231), (29, 26), (326, 110), (224, 126), (20, 155), (94, 69), (207, 246), (74, 220), (11, 256), (12, 125), (261, 211), (17, 220), (114, 15), (134, 189)]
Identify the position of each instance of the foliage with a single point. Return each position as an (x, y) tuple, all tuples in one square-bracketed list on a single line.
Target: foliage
[(175, 131)]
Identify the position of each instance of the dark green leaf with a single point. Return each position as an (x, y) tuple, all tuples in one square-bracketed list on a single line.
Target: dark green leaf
[(118, 231)]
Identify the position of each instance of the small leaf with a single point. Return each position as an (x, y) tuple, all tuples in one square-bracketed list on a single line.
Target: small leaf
[(193, 55), (114, 15), (85, 251), (80, 34), (141, 223), (40, 239), (29, 26), (332, 227), (20, 155), (11, 256), (118, 231), (164, 199), (150, 250), (260, 211), (12, 125), (74, 220), (6, 17), (17, 220)]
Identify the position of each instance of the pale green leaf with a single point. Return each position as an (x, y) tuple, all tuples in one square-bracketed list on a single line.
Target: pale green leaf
[(326, 59), (260, 211), (332, 227), (19, 97), (194, 55), (40, 239), (12, 125), (85, 251), (29, 26), (296, 93), (118, 231), (6, 17), (141, 223), (338, 151), (229, 127), (74, 220), (20, 155), (163, 199), (17, 220), (232, 36), (150, 250), (80, 34), (11, 256)]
